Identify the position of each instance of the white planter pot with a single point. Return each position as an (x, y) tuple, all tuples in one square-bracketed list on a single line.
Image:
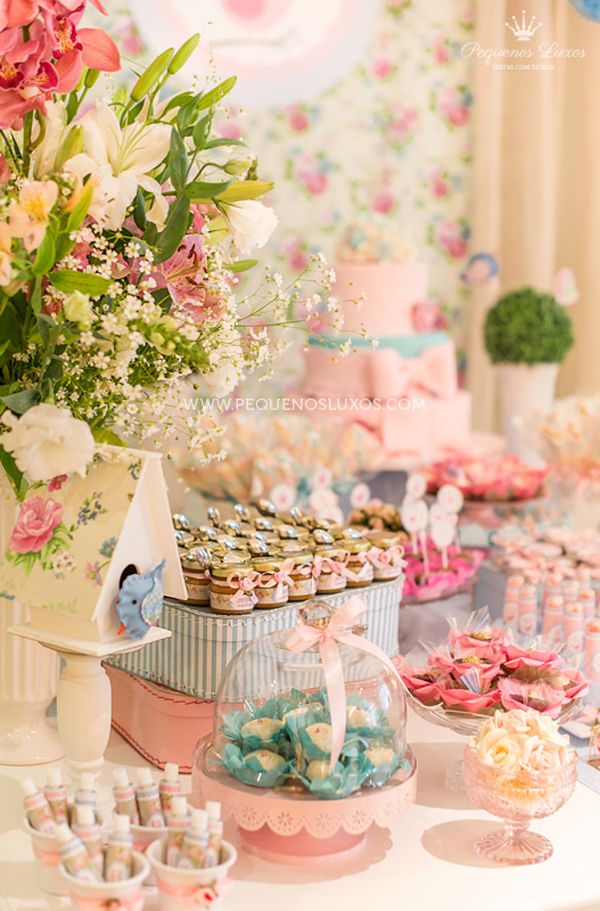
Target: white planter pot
[(28, 672), (523, 390)]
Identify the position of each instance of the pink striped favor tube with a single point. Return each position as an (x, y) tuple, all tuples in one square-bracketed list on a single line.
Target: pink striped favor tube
[(552, 620), (591, 661), (570, 591), (587, 597), (553, 587), (527, 623), (573, 628), (510, 611)]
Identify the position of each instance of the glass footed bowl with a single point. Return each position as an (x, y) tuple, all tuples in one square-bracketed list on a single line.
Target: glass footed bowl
[(517, 797), (467, 724)]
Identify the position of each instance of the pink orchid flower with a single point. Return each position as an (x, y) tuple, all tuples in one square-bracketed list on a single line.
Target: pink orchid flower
[(517, 657), (578, 686)]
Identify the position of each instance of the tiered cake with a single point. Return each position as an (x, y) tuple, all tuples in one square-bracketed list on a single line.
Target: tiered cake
[(405, 388)]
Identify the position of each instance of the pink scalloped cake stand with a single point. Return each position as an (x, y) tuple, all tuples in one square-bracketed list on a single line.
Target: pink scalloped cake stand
[(292, 828)]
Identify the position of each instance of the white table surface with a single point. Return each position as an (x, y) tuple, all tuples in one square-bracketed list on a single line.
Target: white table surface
[(425, 861)]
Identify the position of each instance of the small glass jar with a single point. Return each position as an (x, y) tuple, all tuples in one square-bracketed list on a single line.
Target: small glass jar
[(304, 584), (387, 557), (232, 588), (330, 569), (196, 572), (360, 569), (272, 588)]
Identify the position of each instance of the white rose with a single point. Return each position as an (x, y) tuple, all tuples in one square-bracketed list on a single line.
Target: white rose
[(251, 224), (48, 441), (502, 752)]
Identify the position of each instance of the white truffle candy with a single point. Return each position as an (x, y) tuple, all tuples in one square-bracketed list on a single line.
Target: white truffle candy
[(266, 759), (357, 717), (263, 728), (379, 756), (320, 735), (318, 769)]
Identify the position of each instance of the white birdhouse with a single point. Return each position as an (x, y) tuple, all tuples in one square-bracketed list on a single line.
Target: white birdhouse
[(75, 540)]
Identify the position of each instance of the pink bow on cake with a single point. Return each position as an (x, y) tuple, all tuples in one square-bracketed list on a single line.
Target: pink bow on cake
[(338, 630), (393, 376)]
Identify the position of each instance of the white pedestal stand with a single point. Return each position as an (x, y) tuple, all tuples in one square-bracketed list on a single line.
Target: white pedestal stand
[(84, 698)]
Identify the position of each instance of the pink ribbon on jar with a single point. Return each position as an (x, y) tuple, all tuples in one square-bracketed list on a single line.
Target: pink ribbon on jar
[(384, 558), (126, 903), (326, 563), (272, 578), (245, 586), (305, 637), (204, 896)]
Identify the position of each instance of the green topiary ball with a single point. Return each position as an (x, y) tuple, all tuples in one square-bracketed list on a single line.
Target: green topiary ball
[(527, 327)]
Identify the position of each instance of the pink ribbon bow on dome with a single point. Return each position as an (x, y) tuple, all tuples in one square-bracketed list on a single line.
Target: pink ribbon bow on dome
[(380, 558), (338, 630)]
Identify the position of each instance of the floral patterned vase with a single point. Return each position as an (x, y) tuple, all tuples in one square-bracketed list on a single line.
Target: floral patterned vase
[(28, 672)]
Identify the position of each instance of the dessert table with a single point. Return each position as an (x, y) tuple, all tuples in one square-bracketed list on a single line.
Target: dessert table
[(425, 861)]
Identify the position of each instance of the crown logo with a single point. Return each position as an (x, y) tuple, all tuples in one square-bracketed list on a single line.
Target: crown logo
[(521, 30)]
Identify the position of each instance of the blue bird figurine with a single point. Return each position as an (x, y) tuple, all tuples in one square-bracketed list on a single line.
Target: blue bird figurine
[(481, 268), (140, 602)]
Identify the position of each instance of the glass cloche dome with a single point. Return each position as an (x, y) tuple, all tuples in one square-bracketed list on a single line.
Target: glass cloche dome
[(317, 711)]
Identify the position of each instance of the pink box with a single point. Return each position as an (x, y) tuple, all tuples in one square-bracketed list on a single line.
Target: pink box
[(161, 724)]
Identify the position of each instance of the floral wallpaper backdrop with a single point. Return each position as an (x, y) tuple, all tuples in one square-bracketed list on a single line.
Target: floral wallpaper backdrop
[(393, 137)]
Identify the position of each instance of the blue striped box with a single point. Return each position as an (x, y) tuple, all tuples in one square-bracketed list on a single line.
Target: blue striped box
[(203, 643)]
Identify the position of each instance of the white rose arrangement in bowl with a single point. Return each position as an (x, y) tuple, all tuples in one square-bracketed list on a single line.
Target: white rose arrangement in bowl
[(519, 767)]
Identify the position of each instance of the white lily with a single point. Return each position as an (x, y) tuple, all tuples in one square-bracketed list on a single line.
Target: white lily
[(44, 155), (119, 161)]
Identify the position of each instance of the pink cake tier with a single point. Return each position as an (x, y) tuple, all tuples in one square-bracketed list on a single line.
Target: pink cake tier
[(390, 291), (412, 404)]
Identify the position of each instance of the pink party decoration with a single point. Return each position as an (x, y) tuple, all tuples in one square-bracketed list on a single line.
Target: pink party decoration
[(501, 478), (283, 496), (565, 287), (360, 495), (416, 485), (450, 498)]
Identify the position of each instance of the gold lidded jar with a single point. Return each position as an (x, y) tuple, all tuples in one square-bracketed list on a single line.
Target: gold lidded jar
[(272, 587), (330, 569), (360, 569), (304, 584), (386, 556), (195, 564), (232, 588)]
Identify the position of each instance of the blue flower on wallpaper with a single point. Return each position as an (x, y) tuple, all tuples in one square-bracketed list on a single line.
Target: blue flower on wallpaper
[(135, 469), (107, 548), (588, 8), (7, 596), (91, 509)]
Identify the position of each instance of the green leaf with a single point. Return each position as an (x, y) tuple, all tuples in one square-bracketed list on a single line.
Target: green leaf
[(67, 281), (200, 190), (178, 101), (177, 161), (80, 210), (201, 131), (242, 265), (215, 95), (46, 254), (20, 402), (151, 75), (139, 211), (216, 143), (245, 189), (103, 435), (47, 327), (14, 475), (175, 228)]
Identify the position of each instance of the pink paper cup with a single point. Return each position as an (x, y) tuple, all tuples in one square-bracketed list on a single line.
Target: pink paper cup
[(122, 896), (181, 889), (47, 861)]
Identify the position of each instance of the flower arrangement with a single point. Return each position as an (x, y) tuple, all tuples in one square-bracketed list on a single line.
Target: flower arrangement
[(481, 670), (517, 740), (527, 327), (501, 479), (568, 437), (122, 224)]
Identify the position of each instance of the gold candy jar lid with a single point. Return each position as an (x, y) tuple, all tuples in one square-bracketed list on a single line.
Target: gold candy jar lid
[(197, 559), (223, 570), (355, 546)]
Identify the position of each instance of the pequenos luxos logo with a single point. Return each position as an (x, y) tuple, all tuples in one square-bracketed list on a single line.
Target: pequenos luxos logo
[(525, 52)]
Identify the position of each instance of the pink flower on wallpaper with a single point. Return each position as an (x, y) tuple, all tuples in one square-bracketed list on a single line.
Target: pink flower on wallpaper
[(297, 119), (401, 123), (129, 36), (229, 126), (312, 174), (453, 238), (438, 183), (427, 317), (57, 482), (35, 525), (382, 67), (441, 54), (383, 201), (454, 105), (295, 255)]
